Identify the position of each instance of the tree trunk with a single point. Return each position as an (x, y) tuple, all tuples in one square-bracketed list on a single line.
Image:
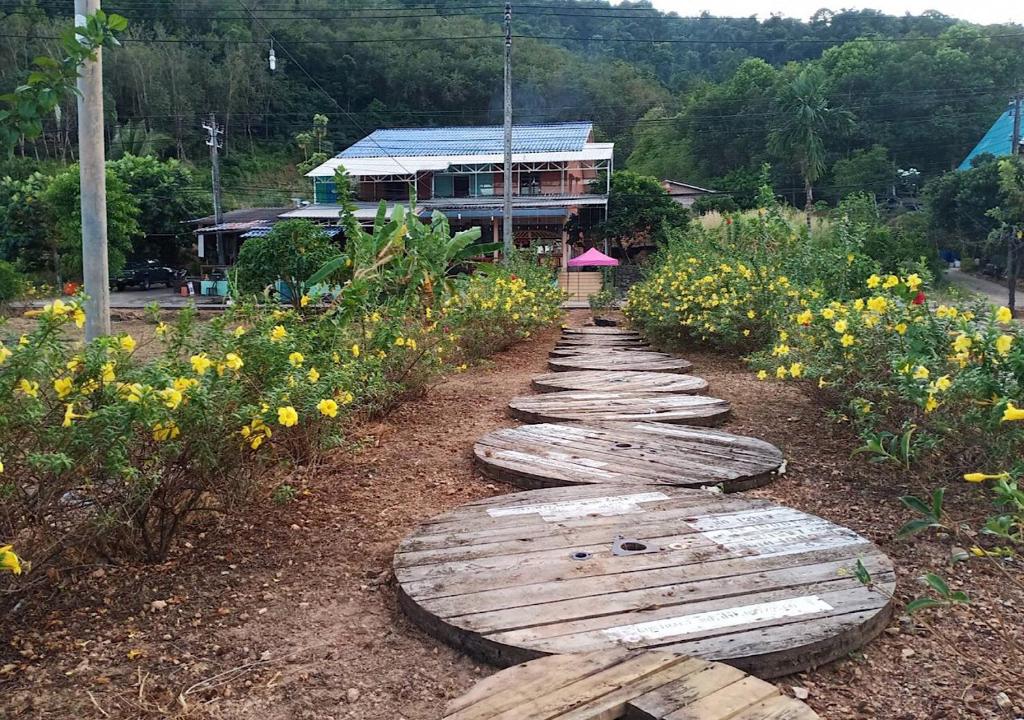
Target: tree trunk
[(809, 206)]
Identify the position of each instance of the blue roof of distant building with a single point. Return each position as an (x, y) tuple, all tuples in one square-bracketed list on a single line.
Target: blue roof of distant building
[(997, 141), (482, 140)]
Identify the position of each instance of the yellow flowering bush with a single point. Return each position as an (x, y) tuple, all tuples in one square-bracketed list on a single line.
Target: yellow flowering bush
[(103, 452)]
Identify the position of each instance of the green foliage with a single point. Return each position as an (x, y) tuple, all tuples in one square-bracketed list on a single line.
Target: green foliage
[(943, 596), (931, 513), (958, 206), (63, 201), (12, 284), (640, 211), (867, 170), (291, 252), (899, 246)]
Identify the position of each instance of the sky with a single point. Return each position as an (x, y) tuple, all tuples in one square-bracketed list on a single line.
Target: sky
[(980, 11)]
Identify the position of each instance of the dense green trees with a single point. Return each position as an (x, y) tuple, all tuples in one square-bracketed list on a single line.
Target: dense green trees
[(639, 212)]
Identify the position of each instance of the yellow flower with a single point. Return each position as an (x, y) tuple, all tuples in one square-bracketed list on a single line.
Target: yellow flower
[(901, 328), (4, 354), (79, 317), (304, 301), (822, 382), (847, 340), (962, 343), (942, 311), (943, 383), (840, 326), (9, 561), (69, 414), (287, 416), (762, 374), (162, 432), (127, 343), (327, 407), (256, 442), (29, 387), (921, 373), (200, 363), (1004, 315), (183, 384), (1003, 344), (878, 304), (780, 350), (313, 375), (172, 397), (296, 359), (914, 281), (858, 304), (751, 314), (239, 331), (891, 281), (355, 350), (828, 313), (931, 404), (410, 343), (982, 477), (780, 372), (400, 341), (64, 387), (796, 369), (161, 329), (278, 333), (874, 281), (803, 318), (345, 397), (233, 361), (1012, 413), (23, 340)]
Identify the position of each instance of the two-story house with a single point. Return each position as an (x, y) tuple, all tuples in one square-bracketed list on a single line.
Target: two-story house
[(560, 180)]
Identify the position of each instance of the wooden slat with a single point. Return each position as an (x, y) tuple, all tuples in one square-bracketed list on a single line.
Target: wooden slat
[(614, 361), (547, 455), (575, 406), (595, 330), (647, 353), (610, 684), (619, 381), (728, 578)]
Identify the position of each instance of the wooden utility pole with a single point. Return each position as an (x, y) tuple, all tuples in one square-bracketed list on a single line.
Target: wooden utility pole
[(214, 134), (507, 224), (93, 181)]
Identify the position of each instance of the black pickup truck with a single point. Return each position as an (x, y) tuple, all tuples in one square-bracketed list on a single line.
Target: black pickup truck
[(147, 274)]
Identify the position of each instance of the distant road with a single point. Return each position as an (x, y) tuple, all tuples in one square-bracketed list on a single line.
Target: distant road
[(996, 293)]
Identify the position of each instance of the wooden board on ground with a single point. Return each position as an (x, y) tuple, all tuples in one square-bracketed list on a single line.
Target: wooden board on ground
[(765, 588), (619, 381), (594, 330), (608, 684), (641, 453), (570, 350), (613, 360), (576, 406), (602, 341)]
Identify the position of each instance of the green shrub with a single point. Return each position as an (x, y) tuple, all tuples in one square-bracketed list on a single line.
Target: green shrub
[(291, 252), (12, 284)]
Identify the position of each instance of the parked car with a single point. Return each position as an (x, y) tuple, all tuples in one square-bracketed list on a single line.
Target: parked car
[(147, 274)]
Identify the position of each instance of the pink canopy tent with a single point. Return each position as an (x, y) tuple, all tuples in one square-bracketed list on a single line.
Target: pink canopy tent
[(593, 258)]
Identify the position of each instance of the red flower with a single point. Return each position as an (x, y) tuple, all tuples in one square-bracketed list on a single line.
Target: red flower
[(512, 277), (918, 299)]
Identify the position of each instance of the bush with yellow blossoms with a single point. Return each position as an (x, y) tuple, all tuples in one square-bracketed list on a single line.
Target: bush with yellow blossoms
[(104, 454)]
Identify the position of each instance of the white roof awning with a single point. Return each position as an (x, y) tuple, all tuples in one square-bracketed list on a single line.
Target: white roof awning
[(409, 166)]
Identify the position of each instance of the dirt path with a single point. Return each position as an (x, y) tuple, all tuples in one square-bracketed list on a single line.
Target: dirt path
[(289, 612)]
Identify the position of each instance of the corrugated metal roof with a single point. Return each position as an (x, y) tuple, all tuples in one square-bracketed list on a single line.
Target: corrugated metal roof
[(997, 141), (482, 140), (329, 230)]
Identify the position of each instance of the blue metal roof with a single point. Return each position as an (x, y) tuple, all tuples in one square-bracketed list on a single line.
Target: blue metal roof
[(997, 141), (497, 213), (329, 231), (483, 140)]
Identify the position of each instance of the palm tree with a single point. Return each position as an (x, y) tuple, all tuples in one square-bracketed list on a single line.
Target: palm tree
[(805, 117)]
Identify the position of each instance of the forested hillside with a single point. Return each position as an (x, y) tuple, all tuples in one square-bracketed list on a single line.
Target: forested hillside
[(690, 98)]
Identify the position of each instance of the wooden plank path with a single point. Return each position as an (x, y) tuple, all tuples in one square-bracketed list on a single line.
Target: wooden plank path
[(621, 360), (594, 330), (563, 351), (768, 589), (622, 380), (550, 455), (575, 406), (609, 684), (601, 341)]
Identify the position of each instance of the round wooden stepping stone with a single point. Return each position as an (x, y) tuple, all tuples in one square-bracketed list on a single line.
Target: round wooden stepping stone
[(613, 683), (765, 588), (563, 351), (643, 361), (602, 341), (577, 406), (623, 380), (550, 455)]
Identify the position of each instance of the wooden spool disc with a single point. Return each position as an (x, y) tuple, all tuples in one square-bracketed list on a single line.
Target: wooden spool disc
[(602, 341), (569, 351), (574, 406), (635, 684), (619, 381), (642, 361), (550, 455), (765, 588), (610, 331)]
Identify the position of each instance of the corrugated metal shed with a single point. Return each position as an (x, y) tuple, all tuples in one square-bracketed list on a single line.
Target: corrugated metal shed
[(997, 140), (482, 140)]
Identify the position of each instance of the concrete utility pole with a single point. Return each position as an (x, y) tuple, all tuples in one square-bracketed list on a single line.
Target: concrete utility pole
[(93, 180), (507, 225), (214, 134), (1012, 241)]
